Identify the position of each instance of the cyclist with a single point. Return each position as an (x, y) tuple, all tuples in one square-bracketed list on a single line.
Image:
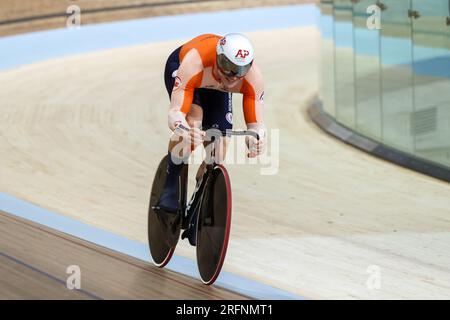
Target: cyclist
[(200, 77)]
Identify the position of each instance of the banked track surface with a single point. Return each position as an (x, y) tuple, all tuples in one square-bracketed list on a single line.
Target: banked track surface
[(34, 262)]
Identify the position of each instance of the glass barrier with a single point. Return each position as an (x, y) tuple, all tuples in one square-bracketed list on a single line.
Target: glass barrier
[(386, 72), (344, 68), (327, 59)]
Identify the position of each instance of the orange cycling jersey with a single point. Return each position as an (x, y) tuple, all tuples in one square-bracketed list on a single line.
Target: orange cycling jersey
[(198, 69)]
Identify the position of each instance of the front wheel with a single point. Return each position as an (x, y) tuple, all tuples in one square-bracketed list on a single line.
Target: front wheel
[(213, 226)]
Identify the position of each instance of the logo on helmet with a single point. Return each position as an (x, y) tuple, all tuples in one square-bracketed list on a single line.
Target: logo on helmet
[(242, 54), (223, 41)]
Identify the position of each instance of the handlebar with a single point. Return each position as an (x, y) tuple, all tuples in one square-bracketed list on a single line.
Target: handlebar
[(211, 132), (235, 133)]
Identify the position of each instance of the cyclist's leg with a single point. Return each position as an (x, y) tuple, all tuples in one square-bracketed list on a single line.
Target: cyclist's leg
[(176, 157), (169, 197), (217, 114), (178, 154)]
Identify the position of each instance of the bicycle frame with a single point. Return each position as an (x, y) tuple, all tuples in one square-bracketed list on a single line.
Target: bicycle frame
[(191, 210)]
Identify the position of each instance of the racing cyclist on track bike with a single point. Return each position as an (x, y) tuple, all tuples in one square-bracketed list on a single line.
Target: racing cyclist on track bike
[(200, 77)]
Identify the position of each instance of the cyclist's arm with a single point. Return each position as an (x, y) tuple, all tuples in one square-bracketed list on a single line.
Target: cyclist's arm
[(253, 100), (189, 76)]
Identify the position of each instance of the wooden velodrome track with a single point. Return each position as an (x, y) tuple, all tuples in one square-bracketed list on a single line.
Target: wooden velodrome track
[(34, 261), (83, 135)]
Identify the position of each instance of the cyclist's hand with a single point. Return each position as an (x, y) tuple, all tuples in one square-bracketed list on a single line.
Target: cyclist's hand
[(194, 136), (197, 136), (256, 147)]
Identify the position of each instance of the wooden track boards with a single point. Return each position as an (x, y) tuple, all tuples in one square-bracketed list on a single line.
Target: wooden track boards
[(34, 260)]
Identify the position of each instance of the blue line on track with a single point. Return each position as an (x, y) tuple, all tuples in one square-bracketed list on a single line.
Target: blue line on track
[(45, 45)]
